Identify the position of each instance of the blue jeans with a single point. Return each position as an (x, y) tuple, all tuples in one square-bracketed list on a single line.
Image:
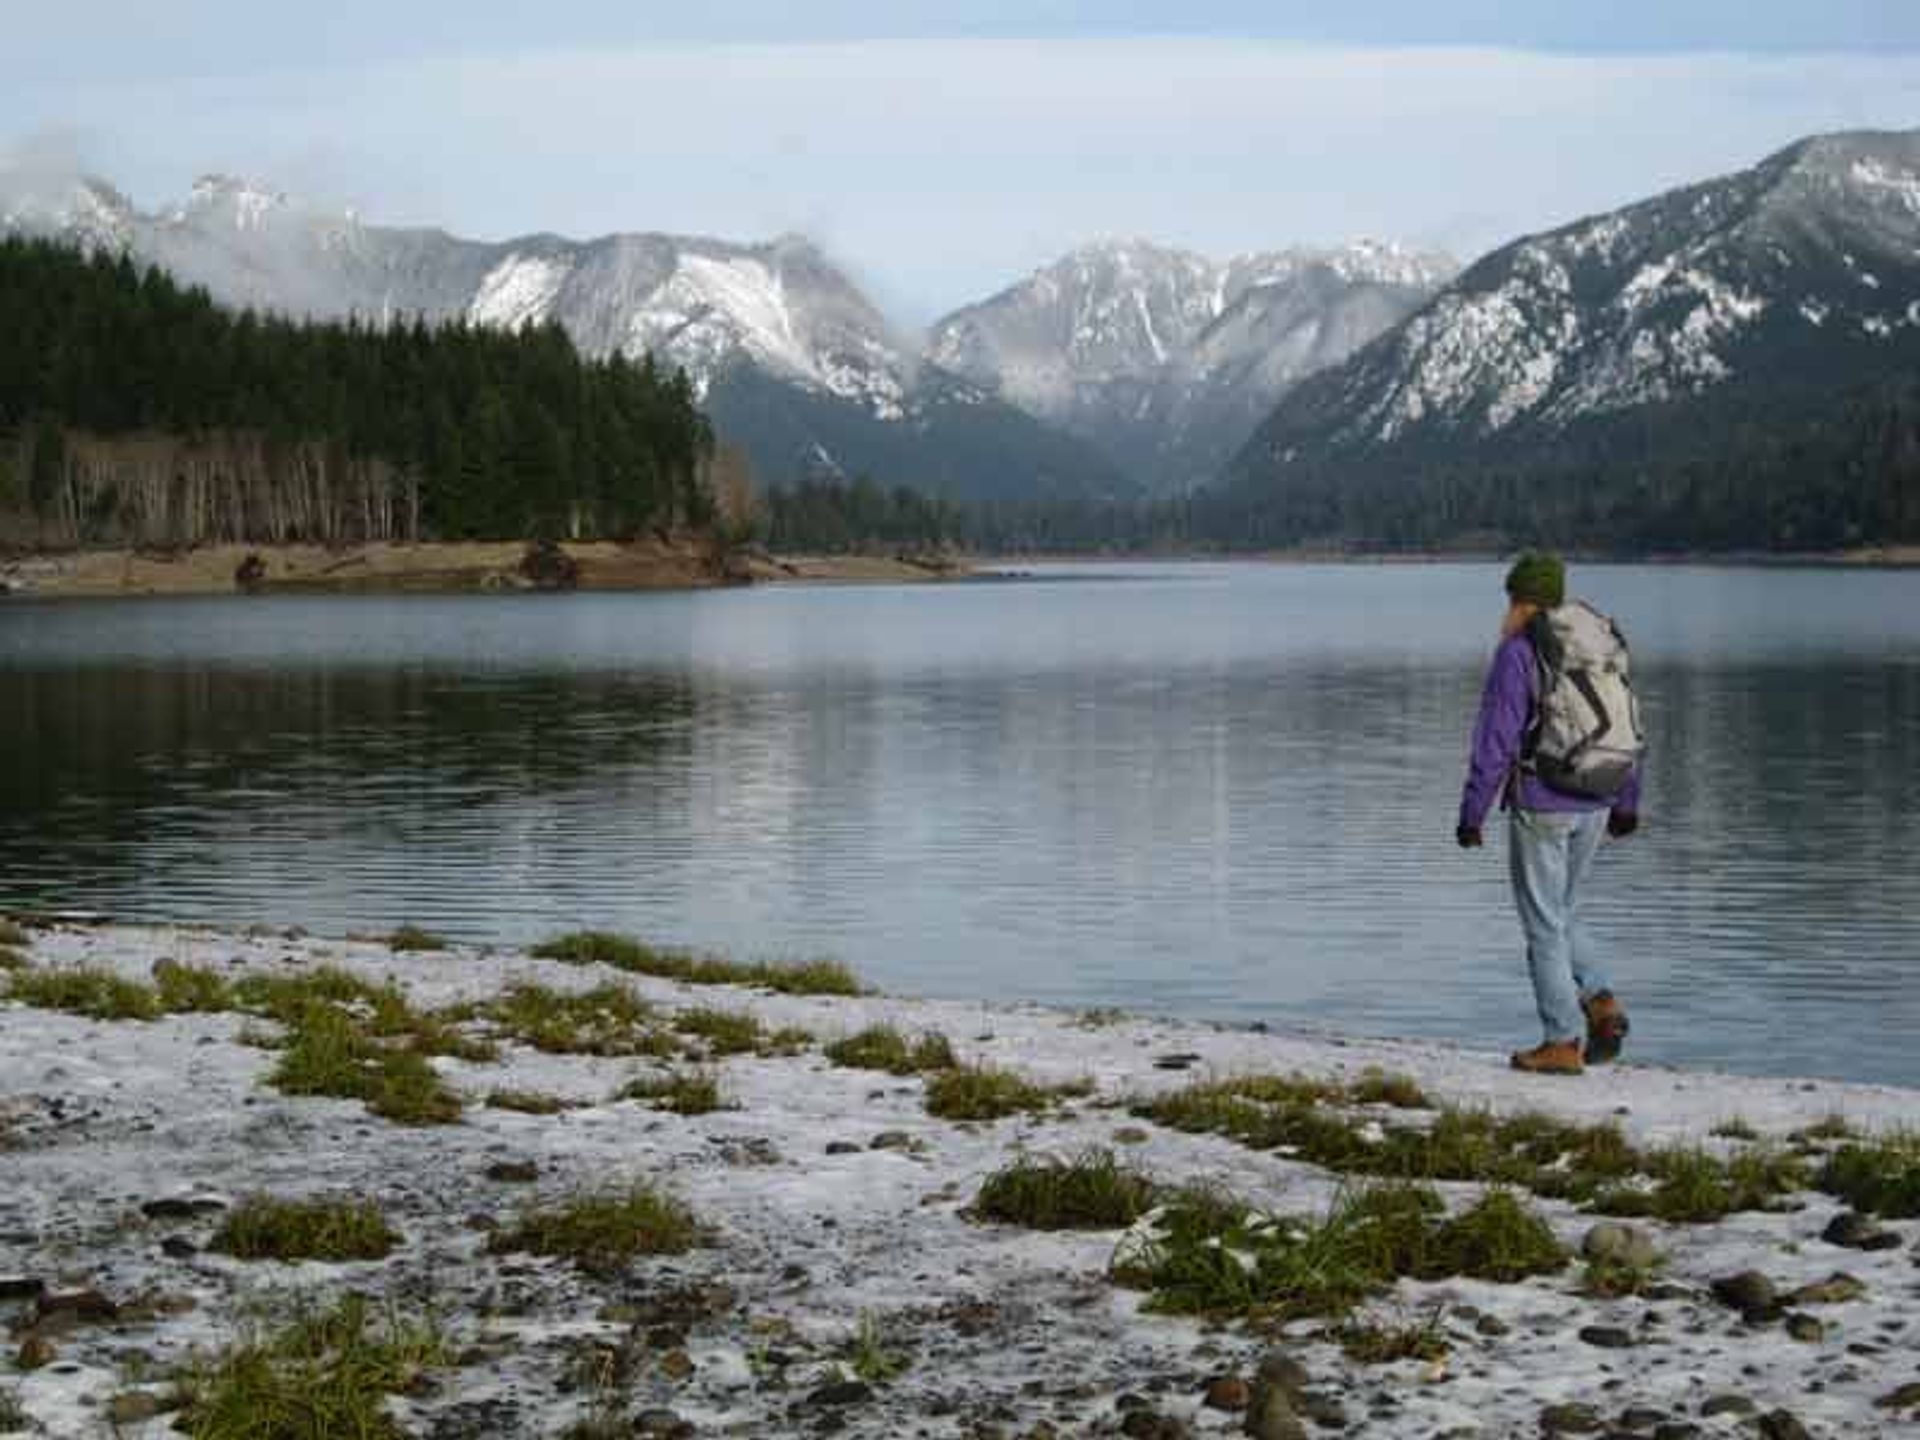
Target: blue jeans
[(1549, 855)]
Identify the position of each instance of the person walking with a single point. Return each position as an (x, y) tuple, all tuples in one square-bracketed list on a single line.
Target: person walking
[(1558, 745)]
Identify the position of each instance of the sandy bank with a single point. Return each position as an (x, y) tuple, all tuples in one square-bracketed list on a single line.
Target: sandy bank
[(836, 1200), (679, 564)]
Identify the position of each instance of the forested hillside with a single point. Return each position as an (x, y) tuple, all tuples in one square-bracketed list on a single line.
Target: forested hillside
[(135, 411)]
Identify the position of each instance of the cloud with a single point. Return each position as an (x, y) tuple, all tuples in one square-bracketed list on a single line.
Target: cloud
[(943, 169)]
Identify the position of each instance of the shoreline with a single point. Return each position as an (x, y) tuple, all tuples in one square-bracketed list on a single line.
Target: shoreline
[(677, 563), (841, 1223)]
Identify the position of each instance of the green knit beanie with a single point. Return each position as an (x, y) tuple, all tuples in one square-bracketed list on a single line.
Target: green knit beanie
[(1539, 579)]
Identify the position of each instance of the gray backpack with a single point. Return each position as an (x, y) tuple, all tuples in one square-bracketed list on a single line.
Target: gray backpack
[(1586, 736)]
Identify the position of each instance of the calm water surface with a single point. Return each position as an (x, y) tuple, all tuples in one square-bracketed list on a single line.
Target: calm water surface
[(1215, 790)]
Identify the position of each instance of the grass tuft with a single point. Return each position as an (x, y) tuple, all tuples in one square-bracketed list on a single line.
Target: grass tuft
[(328, 1054), (603, 1233), (607, 1020), (324, 1375), (11, 959), (1092, 1191), (262, 1228), (191, 989), (411, 938), (1881, 1177), (600, 947), (12, 934), (1377, 1344), (12, 1416), (695, 1093), (527, 1102), (1497, 1238), (96, 994), (981, 1092), (882, 1047), (1377, 1087), (1734, 1128)]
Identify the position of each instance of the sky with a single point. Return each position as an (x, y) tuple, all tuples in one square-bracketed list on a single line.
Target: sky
[(941, 152)]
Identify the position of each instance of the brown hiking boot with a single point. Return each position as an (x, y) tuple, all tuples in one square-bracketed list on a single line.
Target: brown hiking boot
[(1556, 1057), (1607, 1027)]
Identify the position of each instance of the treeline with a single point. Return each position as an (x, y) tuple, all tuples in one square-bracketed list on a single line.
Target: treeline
[(1776, 468), (136, 411)]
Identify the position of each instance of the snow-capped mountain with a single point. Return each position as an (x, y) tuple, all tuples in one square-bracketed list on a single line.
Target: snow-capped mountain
[(790, 358), (1806, 264), (1168, 359), (1729, 359)]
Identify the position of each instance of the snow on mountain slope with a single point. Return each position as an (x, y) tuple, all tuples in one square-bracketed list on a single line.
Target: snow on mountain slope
[(1167, 359), (1810, 259)]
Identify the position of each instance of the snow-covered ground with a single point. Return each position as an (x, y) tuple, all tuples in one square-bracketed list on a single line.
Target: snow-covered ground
[(1006, 1332)]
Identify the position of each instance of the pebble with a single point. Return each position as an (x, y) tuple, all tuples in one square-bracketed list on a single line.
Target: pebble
[(1856, 1232), (1571, 1419), (513, 1172), (1749, 1292), (1613, 1243), (1727, 1403), (1907, 1397), (1805, 1328), (1837, 1289), (1782, 1425), (1227, 1392), (1607, 1337), (36, 1352)]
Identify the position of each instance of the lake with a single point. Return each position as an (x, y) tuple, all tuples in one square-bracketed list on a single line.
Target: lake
[(1221, 790)]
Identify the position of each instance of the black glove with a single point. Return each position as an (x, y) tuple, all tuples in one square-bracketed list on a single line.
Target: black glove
[(1468, 837), (1622, 823)]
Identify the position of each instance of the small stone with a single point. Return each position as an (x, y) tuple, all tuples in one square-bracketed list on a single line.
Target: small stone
[(1148, 1425), (1570, 1420), (513, 1172), (1641, 1417), (1492, 1326), (1325, 1411), (1677, 1430), (662, 1425), (1179, 1060), (677, 1365), (893, 1140), (1613, 1243), (844, 1147), (1837, 1289), (1805, 1328), (1782, 1425), (182, 1207), (1727, 1403), (178, 1247), (85, 1306), (1270, 1415), (133, 1407), (1227, 1392), (1130, 1135), (841, 1392), (1856, 1232), (35, 1352), (1280, 1370), (1607, 1337), (1906, 1397), (21, 1287), (1749, 1292)]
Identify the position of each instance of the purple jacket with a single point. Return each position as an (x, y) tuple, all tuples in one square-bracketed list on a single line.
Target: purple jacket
[(1506, 714)]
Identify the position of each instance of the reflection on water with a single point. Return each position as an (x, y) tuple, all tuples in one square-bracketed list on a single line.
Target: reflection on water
[(1218, 790)]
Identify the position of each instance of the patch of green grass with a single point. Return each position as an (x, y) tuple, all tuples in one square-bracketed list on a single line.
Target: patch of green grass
[(11, 959), (12, 1416), (1829, 1127), (287, 998), (882, 1047), (599, 947), (262, 1228), (96, 994), (1205, 1255), (527, 1102), (604, 1233), (1880, 1176), (869, 1355), (606, 1020), (1377, 1087), (1734, 1128), (1377, 1344), (191, 989), (1497, 1238), (1615, 1280), (1692, 1187), (1092, 1191), (322, 1377), (680, 1093), (982, 1092), (732, 1032), (328, 1054), (12, 934), (411, 938)]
